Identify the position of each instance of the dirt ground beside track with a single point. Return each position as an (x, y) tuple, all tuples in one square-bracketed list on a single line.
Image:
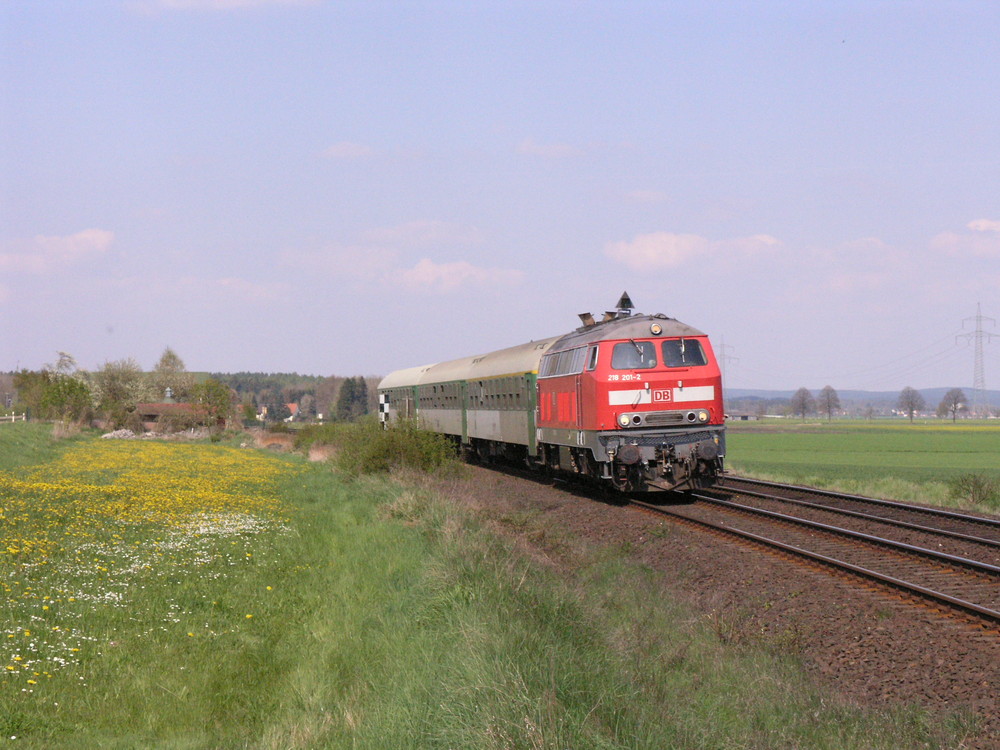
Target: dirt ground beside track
[(866, 646)]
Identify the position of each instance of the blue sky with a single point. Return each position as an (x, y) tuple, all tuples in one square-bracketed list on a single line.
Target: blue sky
[(356, 187)]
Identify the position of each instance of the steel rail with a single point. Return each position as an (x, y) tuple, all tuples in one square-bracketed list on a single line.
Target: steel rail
[(866, 516), (910, 549), (873, 500), (991, 616)]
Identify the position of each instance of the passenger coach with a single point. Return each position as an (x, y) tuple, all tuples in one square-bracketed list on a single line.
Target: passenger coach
[(633, 400)]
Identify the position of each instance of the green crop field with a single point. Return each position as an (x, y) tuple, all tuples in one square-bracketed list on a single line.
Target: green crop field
[(893, 459)]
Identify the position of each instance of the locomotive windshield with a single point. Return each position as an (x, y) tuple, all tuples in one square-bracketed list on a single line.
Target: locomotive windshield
[(641, 355), (633, 355), (683, 353)]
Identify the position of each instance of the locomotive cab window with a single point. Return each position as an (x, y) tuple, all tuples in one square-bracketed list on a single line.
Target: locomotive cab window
[(592, 359), (683, 353), (633, 355)]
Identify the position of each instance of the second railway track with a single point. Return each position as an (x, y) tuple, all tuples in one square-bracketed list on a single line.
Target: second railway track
[(962, 581)]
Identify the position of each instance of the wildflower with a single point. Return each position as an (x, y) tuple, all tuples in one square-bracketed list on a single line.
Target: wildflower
[(249, 616)]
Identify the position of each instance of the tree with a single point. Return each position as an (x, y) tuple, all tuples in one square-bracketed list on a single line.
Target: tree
[(352, 401), (910, 402), (66, 398), (170, 373), (277, 409), (829, 401), (118, 387), (307, 406), (953, 402), (802, 402), (215, 398), (58, 391), (30, 387)]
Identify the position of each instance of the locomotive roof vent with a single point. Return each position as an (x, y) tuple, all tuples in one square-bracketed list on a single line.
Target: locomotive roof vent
[(624, 310)]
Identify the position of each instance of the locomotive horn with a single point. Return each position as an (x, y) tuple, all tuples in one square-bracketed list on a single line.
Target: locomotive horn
[(625, 305)]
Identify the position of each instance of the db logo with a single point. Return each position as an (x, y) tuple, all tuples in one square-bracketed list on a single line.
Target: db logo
[(662, 395)]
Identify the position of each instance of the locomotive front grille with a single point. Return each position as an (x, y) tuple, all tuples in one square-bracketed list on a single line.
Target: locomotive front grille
[(661, 418)]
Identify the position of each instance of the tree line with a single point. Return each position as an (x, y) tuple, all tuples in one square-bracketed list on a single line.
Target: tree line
[(111, 394), (910, 402)]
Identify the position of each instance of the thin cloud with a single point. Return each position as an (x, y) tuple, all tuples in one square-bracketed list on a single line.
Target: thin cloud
[(860, 282), (668, 250), (428, 275), (984, 225), (356, 261), (380, 248), (49, 253), (983, 241)]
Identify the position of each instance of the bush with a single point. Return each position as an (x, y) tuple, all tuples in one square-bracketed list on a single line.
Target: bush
[(364, 447), (979, 489)]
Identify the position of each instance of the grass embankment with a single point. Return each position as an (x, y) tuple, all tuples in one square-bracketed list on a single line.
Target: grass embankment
[(920, 462), (162, 595)]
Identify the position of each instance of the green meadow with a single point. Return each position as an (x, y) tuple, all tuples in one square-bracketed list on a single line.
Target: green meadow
[(160, 595), (919, 462)]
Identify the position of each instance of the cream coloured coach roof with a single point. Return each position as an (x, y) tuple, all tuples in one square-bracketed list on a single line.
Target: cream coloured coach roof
[(513, 361), (409, 376)]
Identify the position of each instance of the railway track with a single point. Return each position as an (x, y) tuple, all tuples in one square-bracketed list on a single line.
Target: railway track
[(977, 528), (948, 569)]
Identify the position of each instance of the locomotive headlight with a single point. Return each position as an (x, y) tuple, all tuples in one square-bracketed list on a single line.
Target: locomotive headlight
[(656, 329), (703, 416), (624, 420)]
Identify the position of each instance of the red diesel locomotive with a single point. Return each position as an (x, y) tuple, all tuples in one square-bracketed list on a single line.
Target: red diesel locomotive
[(633, 400)]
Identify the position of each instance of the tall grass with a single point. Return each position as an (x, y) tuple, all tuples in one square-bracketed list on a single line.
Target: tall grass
[(23, 443), (206, 596), (365, 447)]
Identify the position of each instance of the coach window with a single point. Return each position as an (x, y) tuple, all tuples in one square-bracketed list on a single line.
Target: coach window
[(633, 355), (683, 353)]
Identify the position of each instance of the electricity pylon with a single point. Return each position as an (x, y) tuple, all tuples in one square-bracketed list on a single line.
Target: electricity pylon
[(980, 406)]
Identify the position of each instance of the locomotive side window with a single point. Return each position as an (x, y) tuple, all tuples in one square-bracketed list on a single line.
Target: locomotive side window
[(569, 362), (683, 353), (633, 355), (592, 359)]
